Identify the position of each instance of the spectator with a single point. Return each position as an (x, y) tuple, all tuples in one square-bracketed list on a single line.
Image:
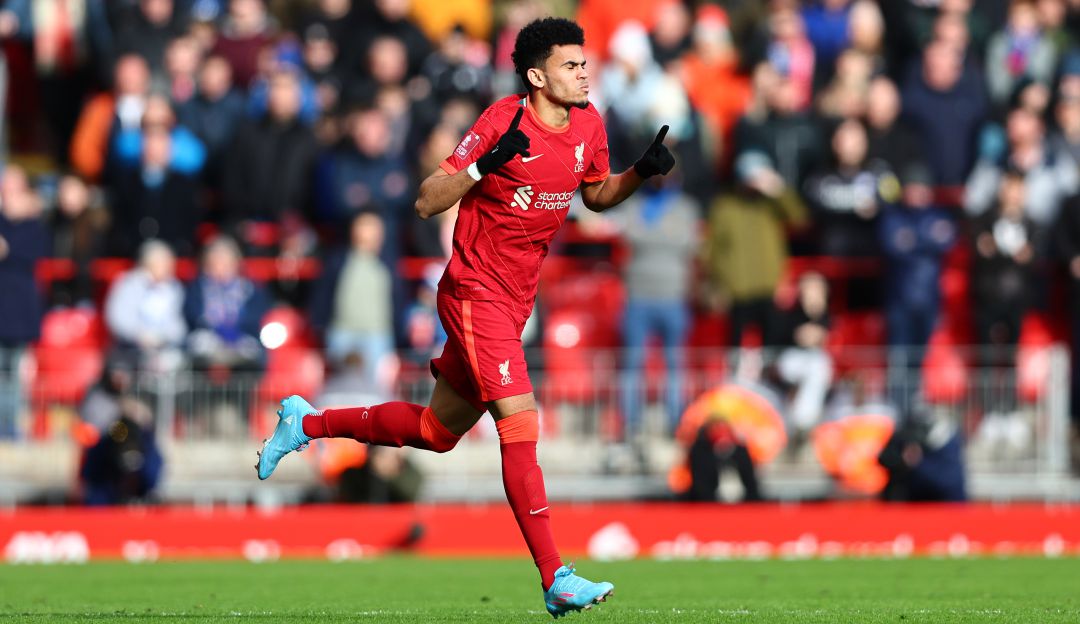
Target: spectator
[(23, 241), (925, 460), (361, 173), (1052, 15), (892, 144), (746, 246), (391, 19), (107, 113), (214, 113), (71, 46), (803, 361), (866, 28), (268, 171), (339, 20), (145, 309), (245, 32), (914, 235), (846, 196), (946, 105), (182, 59), (385, 64), (460, 67), (286, 56), (154, 200), (1005, 245), (79, 222), (716, 446), (431, 238), (827, 28), (792, 53), (631, 80), (790, 137), (660, 227), (846, 96), (125, 465), (1020, 50), (423, 328), (1067, 138), (1049, 174), (224, 311), (670, 37), (146, 30), (322, 65), (710, 74), (187, 154), (353, 302)]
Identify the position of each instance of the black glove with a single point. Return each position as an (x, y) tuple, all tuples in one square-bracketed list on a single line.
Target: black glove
[(510, 144), (657, 159)]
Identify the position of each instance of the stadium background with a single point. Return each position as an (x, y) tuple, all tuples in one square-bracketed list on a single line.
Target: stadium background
[(858, 285)]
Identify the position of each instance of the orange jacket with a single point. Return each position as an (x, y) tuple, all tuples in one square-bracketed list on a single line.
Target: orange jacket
[(90, 142)]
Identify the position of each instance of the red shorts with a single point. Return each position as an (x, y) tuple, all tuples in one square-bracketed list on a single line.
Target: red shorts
[(482, 359)]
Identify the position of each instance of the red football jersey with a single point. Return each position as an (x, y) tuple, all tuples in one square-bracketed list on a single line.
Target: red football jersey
[(507, 219)]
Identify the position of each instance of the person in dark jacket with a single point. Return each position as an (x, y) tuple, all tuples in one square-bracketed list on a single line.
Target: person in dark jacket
[(214, 114), (154, 200), (891, 141), (147, 29), (1005, 247), (914, 236), (23, 241), (946, 103), (846, 197), (79, 224), (125, 464), (268, 169)]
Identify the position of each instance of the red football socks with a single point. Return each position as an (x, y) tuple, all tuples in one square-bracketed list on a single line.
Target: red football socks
[(390, 424), (524, 485)]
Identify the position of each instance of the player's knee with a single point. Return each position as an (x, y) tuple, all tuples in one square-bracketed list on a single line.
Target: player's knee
[(442, 445), (523, 426), (436, 436)]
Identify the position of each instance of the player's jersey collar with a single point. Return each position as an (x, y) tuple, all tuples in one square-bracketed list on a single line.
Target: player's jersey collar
[(524, 102)]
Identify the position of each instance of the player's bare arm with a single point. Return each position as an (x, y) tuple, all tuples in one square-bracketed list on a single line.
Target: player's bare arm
[(440, 191), (603, 194)]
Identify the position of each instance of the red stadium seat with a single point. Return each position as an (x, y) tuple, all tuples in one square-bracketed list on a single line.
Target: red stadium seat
[(293, 364), (944, 373), (1033, 358), (69, 359)]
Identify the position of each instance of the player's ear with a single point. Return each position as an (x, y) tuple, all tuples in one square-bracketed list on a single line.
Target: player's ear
[(536, 77)]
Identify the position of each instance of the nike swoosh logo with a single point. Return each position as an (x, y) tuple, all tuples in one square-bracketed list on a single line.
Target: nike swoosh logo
[(534, 512), (288, 421), (530, 158)]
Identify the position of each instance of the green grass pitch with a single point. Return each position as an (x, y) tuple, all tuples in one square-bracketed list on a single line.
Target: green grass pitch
[(419, 590)]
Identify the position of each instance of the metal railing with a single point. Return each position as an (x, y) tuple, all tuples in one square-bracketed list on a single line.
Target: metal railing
[(1010, 405)]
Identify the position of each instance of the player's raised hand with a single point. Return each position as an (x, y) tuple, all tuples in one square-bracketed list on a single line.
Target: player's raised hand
[(657, 159), (512, 143)]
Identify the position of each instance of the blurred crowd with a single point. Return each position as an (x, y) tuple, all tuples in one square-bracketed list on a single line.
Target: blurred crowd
[(914, 132)]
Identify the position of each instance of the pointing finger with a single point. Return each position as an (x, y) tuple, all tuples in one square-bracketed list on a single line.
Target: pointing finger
[(660, 136), (517, 118)]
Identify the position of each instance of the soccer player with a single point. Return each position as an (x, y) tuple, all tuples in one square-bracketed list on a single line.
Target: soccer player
[(514, 173)]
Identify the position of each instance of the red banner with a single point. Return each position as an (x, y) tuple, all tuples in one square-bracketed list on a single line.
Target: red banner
[(602, 531)]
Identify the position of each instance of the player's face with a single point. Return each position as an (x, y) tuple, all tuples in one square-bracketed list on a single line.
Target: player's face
[(567, 80)]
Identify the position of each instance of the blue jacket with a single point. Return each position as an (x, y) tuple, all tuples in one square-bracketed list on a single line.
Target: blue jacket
[(256, 306), (948, 122), (188, 152), (914, 242), (20, 299)]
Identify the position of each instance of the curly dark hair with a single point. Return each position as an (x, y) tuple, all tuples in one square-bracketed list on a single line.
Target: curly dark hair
[(534, 43)]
